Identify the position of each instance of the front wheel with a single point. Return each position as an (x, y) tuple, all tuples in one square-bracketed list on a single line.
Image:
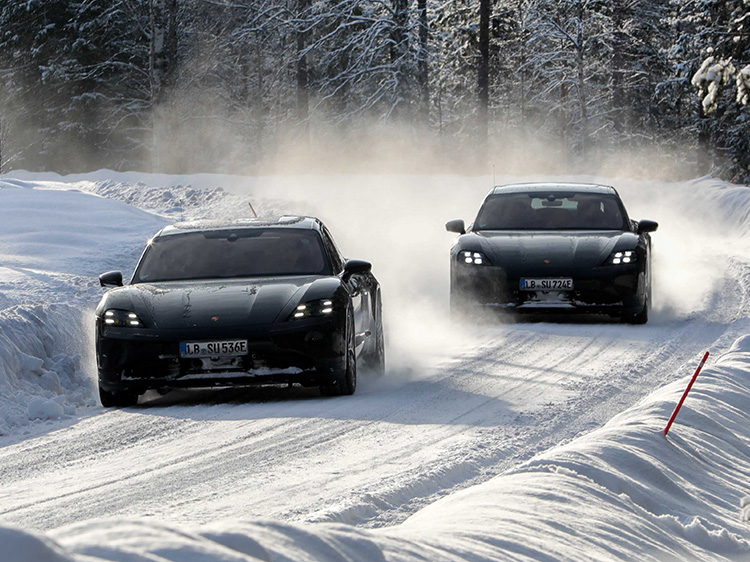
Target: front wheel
[(121, 399), (344, 381), (375, 358), (639, 317)]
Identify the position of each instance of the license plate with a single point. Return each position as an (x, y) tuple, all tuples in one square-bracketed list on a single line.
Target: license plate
[(546, 284), (227, 348)]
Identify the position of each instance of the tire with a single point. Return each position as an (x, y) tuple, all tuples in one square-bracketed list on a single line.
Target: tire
[(375, 358), (639, 317), (121, 399), (344, 381)]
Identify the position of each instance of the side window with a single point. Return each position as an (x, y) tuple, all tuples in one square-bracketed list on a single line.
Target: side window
[(337, 261)]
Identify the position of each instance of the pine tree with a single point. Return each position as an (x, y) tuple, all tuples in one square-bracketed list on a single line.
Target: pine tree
[(74, 82)]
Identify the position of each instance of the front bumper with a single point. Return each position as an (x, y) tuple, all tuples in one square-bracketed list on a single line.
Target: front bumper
[(308, 352), (610, 289)]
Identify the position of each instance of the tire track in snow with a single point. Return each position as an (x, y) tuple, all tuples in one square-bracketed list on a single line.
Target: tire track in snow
[(372, 459)]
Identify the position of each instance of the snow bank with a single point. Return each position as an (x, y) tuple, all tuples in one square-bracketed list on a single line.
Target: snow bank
[(725, 205), (43, 373), (23, 546), (172, 197), (54, 241), (623, 492)]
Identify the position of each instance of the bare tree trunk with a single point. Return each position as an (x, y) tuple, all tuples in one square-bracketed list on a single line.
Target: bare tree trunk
[(163, 22), (483, 79), (260, 110), (7, 151), (158, 60), (562, 118), (303, 101), (582, 104), (582, 100), (399, 49), (522, 76), (423, 69), (703, 157), (618, 70)]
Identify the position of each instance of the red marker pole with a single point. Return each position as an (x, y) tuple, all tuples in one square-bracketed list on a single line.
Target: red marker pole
[(684, 395)]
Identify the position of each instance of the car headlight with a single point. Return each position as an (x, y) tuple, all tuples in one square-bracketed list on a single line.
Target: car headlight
[(620, 258), (318, 308), (472, 258), (121, 318)]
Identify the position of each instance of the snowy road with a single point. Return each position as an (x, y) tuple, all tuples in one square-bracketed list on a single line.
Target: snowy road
[(458, 406), (372, 459)]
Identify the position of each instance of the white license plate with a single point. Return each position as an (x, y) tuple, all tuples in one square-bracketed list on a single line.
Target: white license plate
[(227, 348), (546, 284)]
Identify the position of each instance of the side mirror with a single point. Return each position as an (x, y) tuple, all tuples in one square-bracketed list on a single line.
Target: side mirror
[(647, 226), (356, 266), (456, 226), (111, 279)]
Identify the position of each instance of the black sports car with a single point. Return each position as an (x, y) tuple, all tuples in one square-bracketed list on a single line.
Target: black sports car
[(238, 303), (553, 246)]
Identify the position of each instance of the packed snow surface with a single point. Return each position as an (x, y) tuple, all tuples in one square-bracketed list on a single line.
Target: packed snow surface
[(533, 440)]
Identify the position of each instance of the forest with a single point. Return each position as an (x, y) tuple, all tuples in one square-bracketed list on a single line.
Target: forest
[(248, 86)]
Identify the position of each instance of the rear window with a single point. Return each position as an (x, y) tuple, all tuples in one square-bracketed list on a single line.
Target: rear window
[(227, 254), (551, 211)]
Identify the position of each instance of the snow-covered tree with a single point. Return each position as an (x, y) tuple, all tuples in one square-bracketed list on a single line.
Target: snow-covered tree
[(567, 61), (74, 80), (715, 49), (215, 84), (638, 30)]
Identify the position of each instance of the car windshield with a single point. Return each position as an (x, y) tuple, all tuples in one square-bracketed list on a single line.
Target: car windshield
[(551, 211), (221, 254)]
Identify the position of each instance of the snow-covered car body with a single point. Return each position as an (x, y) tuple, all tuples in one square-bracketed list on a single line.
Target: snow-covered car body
[(238, 303), (553, 246)]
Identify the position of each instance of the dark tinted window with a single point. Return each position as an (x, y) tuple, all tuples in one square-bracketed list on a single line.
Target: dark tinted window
[(333, 252), (240, 253), (551, 211)]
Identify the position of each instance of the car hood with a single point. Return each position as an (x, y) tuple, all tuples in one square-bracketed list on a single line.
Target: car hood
[(176, 305), (558, 252)]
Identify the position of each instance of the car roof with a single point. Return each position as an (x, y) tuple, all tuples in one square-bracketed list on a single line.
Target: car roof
[(553, 186), (202, 225)]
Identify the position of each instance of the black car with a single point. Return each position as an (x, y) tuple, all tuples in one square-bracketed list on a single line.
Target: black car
[(553, 247), (240, 302)]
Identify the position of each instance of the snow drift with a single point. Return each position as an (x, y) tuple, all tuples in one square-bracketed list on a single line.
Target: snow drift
[(52, 243), (42, 373)]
